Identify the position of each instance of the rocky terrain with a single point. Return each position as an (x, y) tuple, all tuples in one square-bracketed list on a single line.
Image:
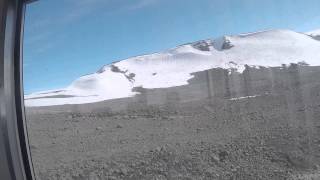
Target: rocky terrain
[(262, 123)]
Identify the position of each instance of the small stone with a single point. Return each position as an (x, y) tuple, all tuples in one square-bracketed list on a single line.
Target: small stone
[(223, 155), (119, 126), (124, 171), (99, 128), (215, 158), (158, 149), (33, 146), (199, 129)]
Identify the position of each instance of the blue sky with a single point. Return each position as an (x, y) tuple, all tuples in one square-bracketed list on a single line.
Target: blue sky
[(65, 39)]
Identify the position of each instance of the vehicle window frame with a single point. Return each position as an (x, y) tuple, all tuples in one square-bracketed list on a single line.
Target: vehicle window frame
[(16, 163)]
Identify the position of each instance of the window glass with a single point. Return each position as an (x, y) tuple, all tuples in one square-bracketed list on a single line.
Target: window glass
[(173, 89)]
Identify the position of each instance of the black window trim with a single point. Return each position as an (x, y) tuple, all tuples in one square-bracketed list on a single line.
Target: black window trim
[(15, 157)]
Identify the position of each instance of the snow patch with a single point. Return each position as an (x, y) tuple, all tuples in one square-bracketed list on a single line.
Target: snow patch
[(244, 97)]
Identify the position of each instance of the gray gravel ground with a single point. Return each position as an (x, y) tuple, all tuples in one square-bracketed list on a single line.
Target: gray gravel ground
[(273, 133)]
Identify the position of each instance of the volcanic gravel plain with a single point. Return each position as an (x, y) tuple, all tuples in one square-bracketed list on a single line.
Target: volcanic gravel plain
[(263, 123)]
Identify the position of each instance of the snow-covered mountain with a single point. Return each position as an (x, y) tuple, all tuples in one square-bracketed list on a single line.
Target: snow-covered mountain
[(173, 67)]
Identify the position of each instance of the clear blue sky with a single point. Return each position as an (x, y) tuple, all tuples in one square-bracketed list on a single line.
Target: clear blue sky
[(65, 39)]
